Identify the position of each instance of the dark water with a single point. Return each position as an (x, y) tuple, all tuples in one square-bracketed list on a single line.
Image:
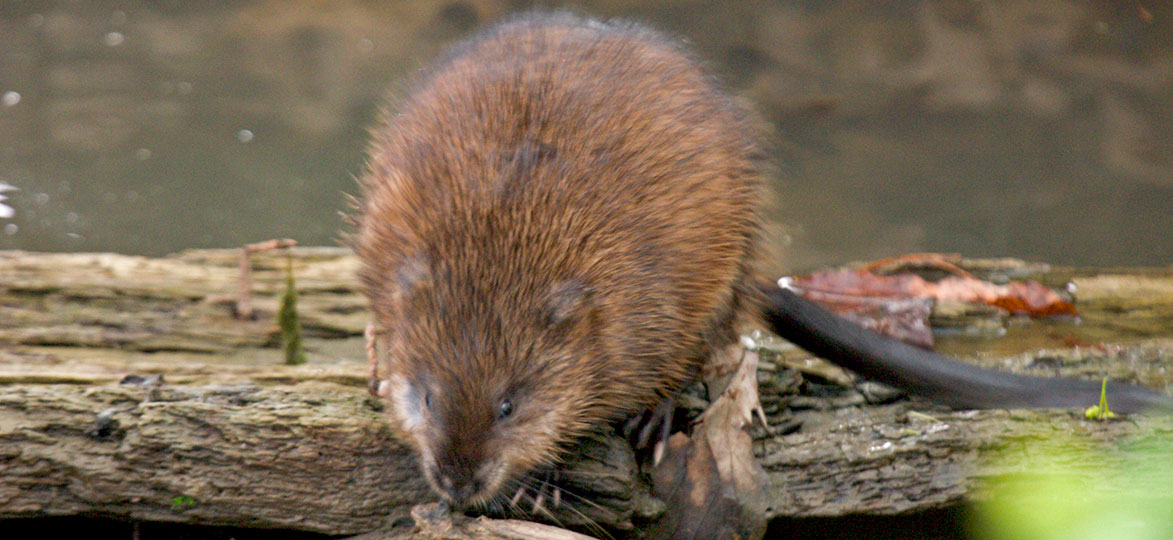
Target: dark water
[(1025, 129)]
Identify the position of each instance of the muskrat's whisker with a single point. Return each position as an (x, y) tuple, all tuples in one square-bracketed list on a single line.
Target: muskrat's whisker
[(530, 482), (590, 474)]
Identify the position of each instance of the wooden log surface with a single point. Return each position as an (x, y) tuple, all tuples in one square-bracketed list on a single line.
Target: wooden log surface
[(233, 436)]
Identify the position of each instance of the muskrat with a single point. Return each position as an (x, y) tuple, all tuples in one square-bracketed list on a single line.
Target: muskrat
[(560, 224)]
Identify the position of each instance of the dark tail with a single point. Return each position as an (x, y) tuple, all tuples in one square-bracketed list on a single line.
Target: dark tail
[(931, 375)]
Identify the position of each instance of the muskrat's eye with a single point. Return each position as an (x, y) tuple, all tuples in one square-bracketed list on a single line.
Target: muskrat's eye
[(428, 400), (506, 409)]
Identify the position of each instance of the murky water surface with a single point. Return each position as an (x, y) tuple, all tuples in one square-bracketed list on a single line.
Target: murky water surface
[(992, 129)]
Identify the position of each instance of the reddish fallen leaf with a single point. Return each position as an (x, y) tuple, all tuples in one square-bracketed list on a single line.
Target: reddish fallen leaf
[(861, 283), (894, 314), (898, 305), (1018, 297), (946, 262)]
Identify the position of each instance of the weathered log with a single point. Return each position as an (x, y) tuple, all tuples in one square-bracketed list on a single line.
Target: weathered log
[(313, 456), (232, 436)]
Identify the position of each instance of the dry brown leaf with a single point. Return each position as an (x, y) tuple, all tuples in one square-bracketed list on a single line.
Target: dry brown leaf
[(725, 426), (711, 482)]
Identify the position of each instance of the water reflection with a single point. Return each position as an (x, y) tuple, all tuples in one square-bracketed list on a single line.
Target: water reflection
[(6, 212), (1017, 128)]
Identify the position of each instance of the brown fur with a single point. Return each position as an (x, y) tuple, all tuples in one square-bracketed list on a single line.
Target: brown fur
[(562, 214)]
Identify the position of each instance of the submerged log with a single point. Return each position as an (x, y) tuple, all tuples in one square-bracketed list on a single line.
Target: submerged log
[(232, 436)]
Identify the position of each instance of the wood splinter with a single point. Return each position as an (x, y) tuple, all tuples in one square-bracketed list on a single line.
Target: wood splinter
[(244, 308)]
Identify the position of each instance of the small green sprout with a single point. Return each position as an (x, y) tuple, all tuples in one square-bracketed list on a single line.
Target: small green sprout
[(288, 321), (1101, 411), (181, 502)]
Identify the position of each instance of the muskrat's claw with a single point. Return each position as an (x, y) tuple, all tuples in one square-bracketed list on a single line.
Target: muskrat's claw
[(661, 417)]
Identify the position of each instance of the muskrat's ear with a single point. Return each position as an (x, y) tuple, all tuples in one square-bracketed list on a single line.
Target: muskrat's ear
[(408, 400), (566, 300)]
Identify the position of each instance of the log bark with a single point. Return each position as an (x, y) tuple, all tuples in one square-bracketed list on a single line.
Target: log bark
[(232, 436), (312, 456)]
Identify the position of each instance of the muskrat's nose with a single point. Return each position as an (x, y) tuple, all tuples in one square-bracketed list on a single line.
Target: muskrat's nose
[(459, 486), (463, 492)]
